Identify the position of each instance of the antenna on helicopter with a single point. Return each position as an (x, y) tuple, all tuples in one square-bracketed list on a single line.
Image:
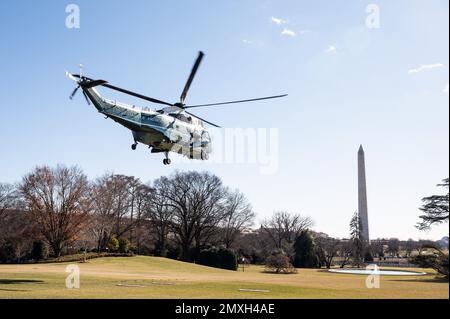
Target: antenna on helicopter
[(81, 71)]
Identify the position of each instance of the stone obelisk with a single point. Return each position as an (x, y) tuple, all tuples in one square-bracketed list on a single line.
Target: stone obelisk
[(362, 196)]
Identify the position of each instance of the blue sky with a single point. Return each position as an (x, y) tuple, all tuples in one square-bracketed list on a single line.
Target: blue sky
[(348, 85)]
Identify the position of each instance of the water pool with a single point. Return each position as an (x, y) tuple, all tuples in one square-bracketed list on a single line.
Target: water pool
[(378, 272)]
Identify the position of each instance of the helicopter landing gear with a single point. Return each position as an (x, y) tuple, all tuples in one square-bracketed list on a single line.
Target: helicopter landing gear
[(167, 160), (133, 146), (204, 155)]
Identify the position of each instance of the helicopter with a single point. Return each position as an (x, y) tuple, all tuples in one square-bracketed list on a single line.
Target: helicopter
[(169, 129)]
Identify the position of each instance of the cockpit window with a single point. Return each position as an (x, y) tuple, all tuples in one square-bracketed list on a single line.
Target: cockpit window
[(147, 117), (205, 136)]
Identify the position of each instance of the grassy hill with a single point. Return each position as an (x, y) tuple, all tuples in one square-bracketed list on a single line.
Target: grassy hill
[(151, 277)]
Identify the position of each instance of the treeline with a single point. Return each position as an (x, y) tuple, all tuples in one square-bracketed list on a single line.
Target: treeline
[(176, 216), (190, 216)]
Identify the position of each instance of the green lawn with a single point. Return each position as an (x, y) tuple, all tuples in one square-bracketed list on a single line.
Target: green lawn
[(151, 277)]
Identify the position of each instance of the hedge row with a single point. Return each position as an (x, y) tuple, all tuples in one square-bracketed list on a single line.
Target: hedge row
[(82, 257)]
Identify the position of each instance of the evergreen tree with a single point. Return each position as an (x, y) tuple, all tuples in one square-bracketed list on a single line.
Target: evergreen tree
[(305, 252), (356, 238), (38, 251), (435, 209)]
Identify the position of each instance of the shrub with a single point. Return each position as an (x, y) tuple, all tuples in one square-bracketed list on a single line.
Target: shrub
[(368, 258), (438, 261), (83, 257), (279, 263), (7, 251), (113, 244), (219, 258), (228, 259), (209, 257), (39, 250), (124, 245), (173, 252), (161, 250)]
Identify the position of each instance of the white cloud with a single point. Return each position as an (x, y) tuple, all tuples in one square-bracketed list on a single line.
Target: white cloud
[(445, 90), (426, 67), (331, 49), (245, 41), (288, 32), (278, 21)]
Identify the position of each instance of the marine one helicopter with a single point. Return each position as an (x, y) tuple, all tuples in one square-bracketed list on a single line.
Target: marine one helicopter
[(170, 129)]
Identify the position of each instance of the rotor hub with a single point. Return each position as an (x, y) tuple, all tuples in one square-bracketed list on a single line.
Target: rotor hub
[(180, 105)]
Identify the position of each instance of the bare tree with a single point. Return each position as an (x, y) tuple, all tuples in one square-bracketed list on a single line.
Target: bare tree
[(345, 252), (58, 201), (377, 247), (8, 197), (102, 219), (19, 231), (159, 210), (196, 201), (255, 246), (238, 217), (283, 228), (114, 202), (329, 247), (141, 201), (123, 203), (393, 247)]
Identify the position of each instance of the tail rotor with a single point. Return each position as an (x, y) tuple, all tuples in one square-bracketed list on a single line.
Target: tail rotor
[(78, 79)]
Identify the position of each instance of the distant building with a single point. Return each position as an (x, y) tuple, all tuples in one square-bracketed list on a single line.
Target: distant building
[(443, 243)]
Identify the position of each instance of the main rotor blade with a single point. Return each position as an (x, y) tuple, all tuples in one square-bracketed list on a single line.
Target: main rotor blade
[(140, 96), (70, 76), (191, 76), (95, 83), (202, 119), (234, 102)]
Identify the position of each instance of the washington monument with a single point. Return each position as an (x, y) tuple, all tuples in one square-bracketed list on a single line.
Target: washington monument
[(362, 196)]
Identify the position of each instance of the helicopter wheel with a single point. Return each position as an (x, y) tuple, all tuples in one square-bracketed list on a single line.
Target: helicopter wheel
[(133, 146), (166, 161)]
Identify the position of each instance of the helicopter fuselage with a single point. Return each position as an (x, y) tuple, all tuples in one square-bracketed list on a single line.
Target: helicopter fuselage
[(171, 129), (162, 131)]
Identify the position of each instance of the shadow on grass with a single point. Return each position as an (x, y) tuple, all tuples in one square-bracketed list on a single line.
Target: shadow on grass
[(18, 281), (278, 273), (424, 280), (325, 270)]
